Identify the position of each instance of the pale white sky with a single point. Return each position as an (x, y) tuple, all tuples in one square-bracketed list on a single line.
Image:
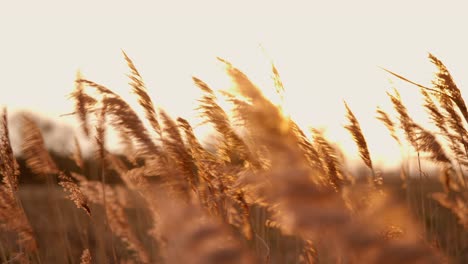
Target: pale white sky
[(325, 51)]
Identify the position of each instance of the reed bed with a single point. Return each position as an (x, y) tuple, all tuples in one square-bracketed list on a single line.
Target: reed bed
[(265, 191)]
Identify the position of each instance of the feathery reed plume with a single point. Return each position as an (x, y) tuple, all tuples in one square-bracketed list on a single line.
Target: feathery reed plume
[(12, 215), (237, 209), (124, 118), (434, 113), (330, 159), (406, 122), (212, 180), (307, 147), (387, 121), (421, 139), (34, 149), (40, 162), (445, 84), (355, 129), (8, 166), (448, 96), (277, 81), (213, 113), (268, 186), (85, 257), (427, 142), (194, 147), (144, 99), (74, 193), (440, 120), (83, 103), (454, 121), (175, 148), (261, 116), (204, 161)]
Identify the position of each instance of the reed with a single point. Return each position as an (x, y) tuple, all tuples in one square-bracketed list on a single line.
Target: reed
[(264, 192)]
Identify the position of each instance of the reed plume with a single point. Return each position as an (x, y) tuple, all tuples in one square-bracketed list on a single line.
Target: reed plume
[(355, 129), (445, 84), (83, 103), (40, 162), (213, 113), (12, 215), (139, 88), (389, 124)]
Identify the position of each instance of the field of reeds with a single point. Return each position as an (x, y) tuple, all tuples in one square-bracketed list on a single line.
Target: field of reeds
[(263, 191)]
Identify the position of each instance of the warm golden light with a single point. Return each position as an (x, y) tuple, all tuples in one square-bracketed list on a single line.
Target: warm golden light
[(233, 132), (324, 53)]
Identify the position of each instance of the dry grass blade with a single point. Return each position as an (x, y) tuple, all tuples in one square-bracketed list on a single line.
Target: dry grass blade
[(144, 99), (414, 83), (77, 155), (355, 129)]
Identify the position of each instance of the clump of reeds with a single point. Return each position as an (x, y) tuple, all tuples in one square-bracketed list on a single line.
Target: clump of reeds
[(264, 183), (447, 110)]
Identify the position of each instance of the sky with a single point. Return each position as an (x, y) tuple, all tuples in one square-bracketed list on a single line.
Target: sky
[(325, 51)]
